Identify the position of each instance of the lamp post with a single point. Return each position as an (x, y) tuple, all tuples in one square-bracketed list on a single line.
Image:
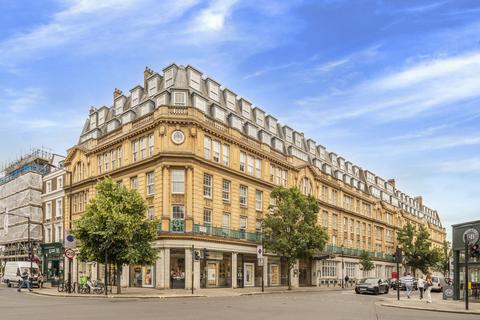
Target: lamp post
[(343, 285), (69, 279)]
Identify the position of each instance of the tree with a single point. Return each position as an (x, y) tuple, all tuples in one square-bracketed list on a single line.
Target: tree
[(444, 256), (291, 229), (416, 248), (115, 224), (366, 262)]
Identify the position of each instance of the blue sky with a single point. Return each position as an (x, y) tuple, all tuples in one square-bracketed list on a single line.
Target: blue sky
[(393, 86)]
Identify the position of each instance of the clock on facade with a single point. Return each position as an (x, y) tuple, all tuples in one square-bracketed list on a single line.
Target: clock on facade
[(178, 137)]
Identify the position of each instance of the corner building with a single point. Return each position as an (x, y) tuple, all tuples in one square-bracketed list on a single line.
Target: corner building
[(206, 161)]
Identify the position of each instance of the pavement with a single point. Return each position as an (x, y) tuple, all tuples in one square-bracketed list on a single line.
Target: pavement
[(305, 305), (438, 304), (151, 293)]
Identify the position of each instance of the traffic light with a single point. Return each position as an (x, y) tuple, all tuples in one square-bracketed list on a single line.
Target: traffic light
[(475, 250), (205, 254), (197, 255)]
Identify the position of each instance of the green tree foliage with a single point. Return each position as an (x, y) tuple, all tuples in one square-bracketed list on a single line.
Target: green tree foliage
[(115, 223), (416, 247), (366, 262), (291, 229), (444, 256)]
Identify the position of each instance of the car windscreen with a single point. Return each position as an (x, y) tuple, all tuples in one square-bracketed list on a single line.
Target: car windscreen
[(368, 281)]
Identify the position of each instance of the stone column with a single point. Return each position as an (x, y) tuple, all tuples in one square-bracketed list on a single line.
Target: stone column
[(166, 268), (166, 199), (265, 271), (159, 270), (189, 199), (196, 270), (234, 269), (294, 275), (188, 268), (125, 279), (74, 269)]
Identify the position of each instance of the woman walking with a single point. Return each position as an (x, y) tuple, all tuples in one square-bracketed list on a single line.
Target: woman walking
[(428, 286)]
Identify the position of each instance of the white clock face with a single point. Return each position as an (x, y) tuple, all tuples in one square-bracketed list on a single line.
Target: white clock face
[(178, 137)]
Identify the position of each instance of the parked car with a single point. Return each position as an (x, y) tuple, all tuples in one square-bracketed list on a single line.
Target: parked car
[(403, 286), (14, 269), (438, 283), (372, 285)]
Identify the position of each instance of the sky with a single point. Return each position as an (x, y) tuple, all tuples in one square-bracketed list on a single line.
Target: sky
[(393, 86)]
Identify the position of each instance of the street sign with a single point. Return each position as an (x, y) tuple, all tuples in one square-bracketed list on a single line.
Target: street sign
[(70, 241), (260, 262), (259, 251), (471, 236), (69, 253)]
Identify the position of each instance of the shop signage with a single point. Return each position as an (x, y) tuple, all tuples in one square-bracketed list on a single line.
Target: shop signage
[(213, 255), (470, 236), (259, 252), (69, 253)]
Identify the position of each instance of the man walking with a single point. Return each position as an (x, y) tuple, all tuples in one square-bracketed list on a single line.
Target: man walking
[(25, 281), (408, 284), (421, 286)]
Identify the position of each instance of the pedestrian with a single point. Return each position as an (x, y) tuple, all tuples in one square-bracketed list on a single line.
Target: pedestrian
[(428, 286), (408, 284), (421, 286), (25, 281), (346, 280)]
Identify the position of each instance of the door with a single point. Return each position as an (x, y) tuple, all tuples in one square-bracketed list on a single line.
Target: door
[(147, 276), (212, 274), (274, 275), (249, 274)]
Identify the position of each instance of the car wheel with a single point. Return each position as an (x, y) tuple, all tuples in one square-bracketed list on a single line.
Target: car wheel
[(377, 291), (8, 284), (357, 291), (386, 290)]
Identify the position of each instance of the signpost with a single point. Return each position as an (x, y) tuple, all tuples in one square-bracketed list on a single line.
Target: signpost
[(398, 259), (70, 243), (69, 253), (260, 263)]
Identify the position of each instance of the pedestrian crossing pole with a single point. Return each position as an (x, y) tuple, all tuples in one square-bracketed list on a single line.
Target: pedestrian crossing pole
[(398, 258)]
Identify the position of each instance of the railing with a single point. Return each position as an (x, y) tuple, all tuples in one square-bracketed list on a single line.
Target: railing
[(227, 233), (177, 225), (357, 252)]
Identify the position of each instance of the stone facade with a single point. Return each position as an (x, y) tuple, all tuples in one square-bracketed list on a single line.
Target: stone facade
[(206, 161)]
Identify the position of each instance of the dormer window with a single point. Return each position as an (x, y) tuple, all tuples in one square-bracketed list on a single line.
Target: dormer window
[(251, 130), (101, 117), (213, 90), (119, 106), (200, 103), (277, 144), (298, 139), (272, 126), (195, 80), (333, 158), (152, 86), (93, 121), (341, 163), (135, 97), (230, 100), (246, 109), (288, 135), (169, 78), (259, 118), (219, 113), (311, 147), (180, 98)]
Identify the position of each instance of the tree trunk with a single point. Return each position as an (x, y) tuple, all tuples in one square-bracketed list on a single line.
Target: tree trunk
[(289, 278), (119, 273)]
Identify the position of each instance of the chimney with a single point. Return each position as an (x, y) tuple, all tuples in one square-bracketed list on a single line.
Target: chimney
[(92, 110), (146, 74), (117, 93), (391, 182), (419, 200)]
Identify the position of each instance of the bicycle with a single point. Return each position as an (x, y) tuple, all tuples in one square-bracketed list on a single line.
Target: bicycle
[(66, 287)]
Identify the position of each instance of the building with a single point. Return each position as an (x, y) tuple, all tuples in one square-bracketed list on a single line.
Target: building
[(206, 160), (53, 212), (458, 247), (20, 199)]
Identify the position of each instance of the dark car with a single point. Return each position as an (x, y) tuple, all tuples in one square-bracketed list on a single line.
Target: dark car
[(372, 285)]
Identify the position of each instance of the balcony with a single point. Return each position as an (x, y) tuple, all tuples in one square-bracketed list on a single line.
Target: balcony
[(227, 233), (357, 252)]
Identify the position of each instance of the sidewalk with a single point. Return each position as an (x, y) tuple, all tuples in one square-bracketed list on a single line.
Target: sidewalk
[(438, 304), (151, 293)]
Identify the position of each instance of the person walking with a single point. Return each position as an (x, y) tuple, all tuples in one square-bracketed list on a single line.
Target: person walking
[(408, 284), (428, 290), (421, 286), (346, 281), (25, 281)]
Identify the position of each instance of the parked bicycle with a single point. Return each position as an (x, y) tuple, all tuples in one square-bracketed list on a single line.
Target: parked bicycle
[(66, 287)]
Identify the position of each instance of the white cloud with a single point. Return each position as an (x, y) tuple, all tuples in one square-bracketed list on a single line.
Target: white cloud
[(471, 166), (212, 18), (403, 94), (18, 101)]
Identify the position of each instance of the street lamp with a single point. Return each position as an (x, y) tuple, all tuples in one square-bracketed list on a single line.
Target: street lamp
[(69, 279), (343, 285)]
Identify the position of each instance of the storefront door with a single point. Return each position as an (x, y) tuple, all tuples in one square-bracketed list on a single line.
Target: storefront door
[(212, 274), (274, 275), (249, 274)]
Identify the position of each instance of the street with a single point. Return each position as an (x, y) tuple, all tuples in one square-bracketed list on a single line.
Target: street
[(310, 305)]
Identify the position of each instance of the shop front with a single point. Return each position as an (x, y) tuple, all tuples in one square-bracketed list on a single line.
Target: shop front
[(142, 276), (471, 231), (177, 268), (277, 272), (216, 270), (52, 262), (249, 274)]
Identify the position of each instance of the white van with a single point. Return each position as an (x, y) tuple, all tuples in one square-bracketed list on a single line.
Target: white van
[(14, 270)]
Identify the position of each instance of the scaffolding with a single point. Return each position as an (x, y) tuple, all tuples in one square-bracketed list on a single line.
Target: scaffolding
[(21, 198)]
